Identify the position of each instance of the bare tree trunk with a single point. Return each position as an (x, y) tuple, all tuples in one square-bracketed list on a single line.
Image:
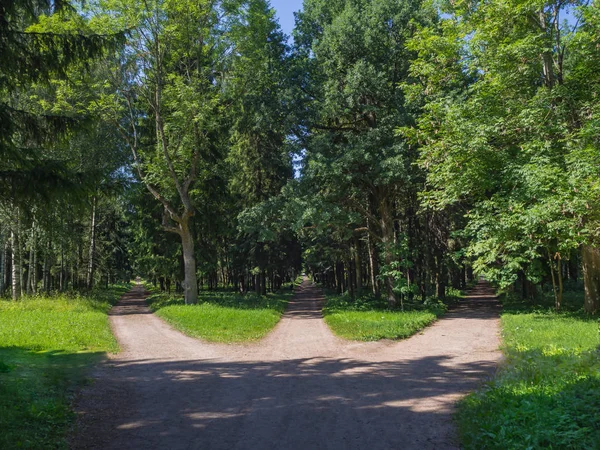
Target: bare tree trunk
[(257, 287), (7, 269), (16, 276), (19, 261), (560, 282), (61, 280), (190, 284), (547, 60), (2, 266), (34, 267), (46, 269), (30, 261), (357, 263), (387, 236), (591, 278), (350, 283), (554, 288), (374, 265), (91, 266)]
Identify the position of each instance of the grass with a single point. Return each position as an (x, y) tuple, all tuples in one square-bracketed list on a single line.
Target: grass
[(46, 345), (222, 316), (369, 319), (547, 394)]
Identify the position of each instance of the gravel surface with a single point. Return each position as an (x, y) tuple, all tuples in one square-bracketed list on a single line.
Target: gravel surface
[(299, 388)]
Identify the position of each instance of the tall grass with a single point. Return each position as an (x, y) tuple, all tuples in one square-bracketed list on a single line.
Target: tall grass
[(46, 345), (366, 318), (222, 316), (547, 394)]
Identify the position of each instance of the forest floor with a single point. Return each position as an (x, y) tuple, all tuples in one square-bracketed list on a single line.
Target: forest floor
[(300, 387)]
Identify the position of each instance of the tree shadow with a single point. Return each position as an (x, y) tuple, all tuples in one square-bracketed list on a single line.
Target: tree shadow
[(35, 391), (299, 403), (552, 401)]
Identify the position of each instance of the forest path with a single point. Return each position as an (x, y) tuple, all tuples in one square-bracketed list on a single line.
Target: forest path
[(299, 388)]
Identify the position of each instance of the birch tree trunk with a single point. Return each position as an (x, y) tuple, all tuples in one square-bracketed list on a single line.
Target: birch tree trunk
[(34, 267), (374, 267), (91, 267), (20, 260), (31, 264), (16, 276)]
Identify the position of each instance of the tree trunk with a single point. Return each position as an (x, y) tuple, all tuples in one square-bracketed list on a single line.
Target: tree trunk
[(591, 278), (91, 266), (29, 269), (2, 267), (190, 285), (350, 283), (357, 264), (33, 269), (242, 285), (560, 282), (387, 237), (16, 276), (440, 276), (46, 274), (374, 266), (554, 287), (547, 60), (257, 288), (19, 264)]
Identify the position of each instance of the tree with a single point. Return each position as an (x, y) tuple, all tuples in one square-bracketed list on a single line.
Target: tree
[(354, 56), (498, 132), (171, 86)]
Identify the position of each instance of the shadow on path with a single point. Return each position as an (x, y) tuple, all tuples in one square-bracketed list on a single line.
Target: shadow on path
[(299, 388), (294, 404)]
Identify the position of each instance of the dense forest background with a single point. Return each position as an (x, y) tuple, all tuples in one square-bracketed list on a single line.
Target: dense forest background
[(390, 148)]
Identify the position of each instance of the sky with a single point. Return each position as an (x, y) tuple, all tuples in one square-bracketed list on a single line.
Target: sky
[(285, 12)]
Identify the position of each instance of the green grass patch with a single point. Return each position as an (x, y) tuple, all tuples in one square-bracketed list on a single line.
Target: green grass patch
[(222, 316), (46, 345), (369, 319), (547, 394)]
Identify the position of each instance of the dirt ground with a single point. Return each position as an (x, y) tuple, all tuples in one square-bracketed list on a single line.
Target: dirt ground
[(299, 388)]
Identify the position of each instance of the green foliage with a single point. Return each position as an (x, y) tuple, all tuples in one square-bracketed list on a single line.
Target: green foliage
[(42, 42), (46, 346), (223, 316), (503, 112), (548, 391)]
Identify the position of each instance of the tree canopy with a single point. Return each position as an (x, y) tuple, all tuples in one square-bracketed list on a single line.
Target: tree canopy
[(390, 148)]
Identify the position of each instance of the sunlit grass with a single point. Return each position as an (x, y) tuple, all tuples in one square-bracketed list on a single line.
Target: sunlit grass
[(547, 394), (46, 345), (368, 319), (223, 316)]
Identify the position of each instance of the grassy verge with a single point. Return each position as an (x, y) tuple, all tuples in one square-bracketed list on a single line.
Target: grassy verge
[(368, 319), (547, 395), (46, 344), (222, 316)]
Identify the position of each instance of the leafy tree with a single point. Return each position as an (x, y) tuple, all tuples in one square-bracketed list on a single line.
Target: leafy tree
[(355, 57), (502, 103)]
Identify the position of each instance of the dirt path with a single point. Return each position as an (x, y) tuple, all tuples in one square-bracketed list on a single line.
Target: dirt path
[(299, 388)]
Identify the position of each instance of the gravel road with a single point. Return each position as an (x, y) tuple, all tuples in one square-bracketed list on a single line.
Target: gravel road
[(299, 388)]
